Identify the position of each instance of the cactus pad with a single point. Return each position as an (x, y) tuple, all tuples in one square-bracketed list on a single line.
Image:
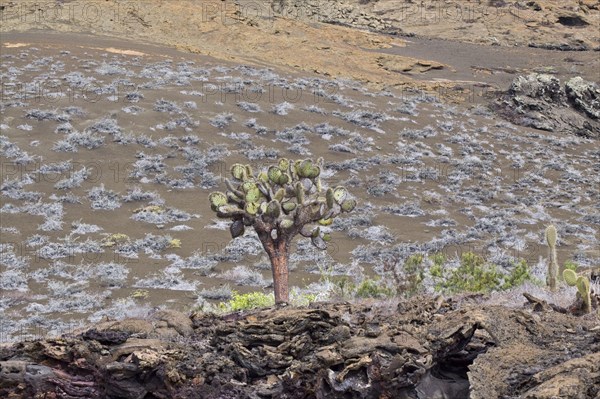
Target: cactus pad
[(570, 277), (238, 171), (217, 199), (551, 235)]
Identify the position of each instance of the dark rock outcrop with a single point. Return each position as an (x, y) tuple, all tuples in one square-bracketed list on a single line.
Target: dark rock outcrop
[(541, 102), (422, 348)]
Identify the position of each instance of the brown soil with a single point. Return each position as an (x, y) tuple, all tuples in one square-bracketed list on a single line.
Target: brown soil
[(294, 36)]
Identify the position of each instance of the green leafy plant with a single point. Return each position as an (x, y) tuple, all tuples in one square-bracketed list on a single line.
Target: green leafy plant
[(519, 274), (251, 300), (438, 260), (279, 203), (369, 288), (414, 274), (570, 265), (255, 300), (472, 275), (345, 288)]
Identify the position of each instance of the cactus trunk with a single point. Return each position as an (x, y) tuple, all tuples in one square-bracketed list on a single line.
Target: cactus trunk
[(278, 255), (551, 238), (552, 269)]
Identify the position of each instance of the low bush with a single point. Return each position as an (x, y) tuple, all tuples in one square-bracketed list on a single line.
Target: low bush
[(251, 300)]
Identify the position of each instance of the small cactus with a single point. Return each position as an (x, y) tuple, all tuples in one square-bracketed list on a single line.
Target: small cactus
[(583, 288), (551, 237), (278, 203)]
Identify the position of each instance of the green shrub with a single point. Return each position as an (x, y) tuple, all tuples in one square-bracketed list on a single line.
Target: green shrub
[(255, 300), (518, 275), (345, 288), (372, 289), (436, 270), (570, 265), (251, 300), (413, 275), (474, 274)]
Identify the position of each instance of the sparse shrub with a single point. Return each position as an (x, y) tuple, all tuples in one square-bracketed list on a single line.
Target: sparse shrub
[(372, 289), (115, 239), (242, 275), (413, 274), (102, 198), (223, 292), (222, 120), (249, 107), (282, 108)]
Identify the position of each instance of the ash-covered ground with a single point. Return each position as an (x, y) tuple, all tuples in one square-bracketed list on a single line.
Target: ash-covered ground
[(109, 152)]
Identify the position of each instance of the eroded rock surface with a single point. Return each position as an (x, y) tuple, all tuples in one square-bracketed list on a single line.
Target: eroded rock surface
[(420, 348), (542, 102)]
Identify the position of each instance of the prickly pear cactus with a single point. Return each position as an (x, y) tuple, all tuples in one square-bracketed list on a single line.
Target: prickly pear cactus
[(551, 237), (583, 287), (279, 203)]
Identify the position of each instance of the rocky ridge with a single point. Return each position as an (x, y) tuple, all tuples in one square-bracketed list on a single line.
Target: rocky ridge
[(540, 101), (420, 348)]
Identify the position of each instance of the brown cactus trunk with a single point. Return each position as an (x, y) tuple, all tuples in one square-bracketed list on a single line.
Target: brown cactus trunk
[(278, 255)]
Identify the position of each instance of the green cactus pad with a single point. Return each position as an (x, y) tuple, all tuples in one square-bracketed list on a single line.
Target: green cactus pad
[(288, 207), (284, 164), (325, 222), (583, 286), (238, 171), (299, 193), (248, 185), (263, 177), (236, 229), (273, 209), (305, 168), (570, 277), (274, 174), (316, 232), (329, 197), (348, 205), (314, 172), (286, 223), (283, 179), (551, 235), (279, 194), (217, 199), (253, 195), (339, 194), (252, 208)]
